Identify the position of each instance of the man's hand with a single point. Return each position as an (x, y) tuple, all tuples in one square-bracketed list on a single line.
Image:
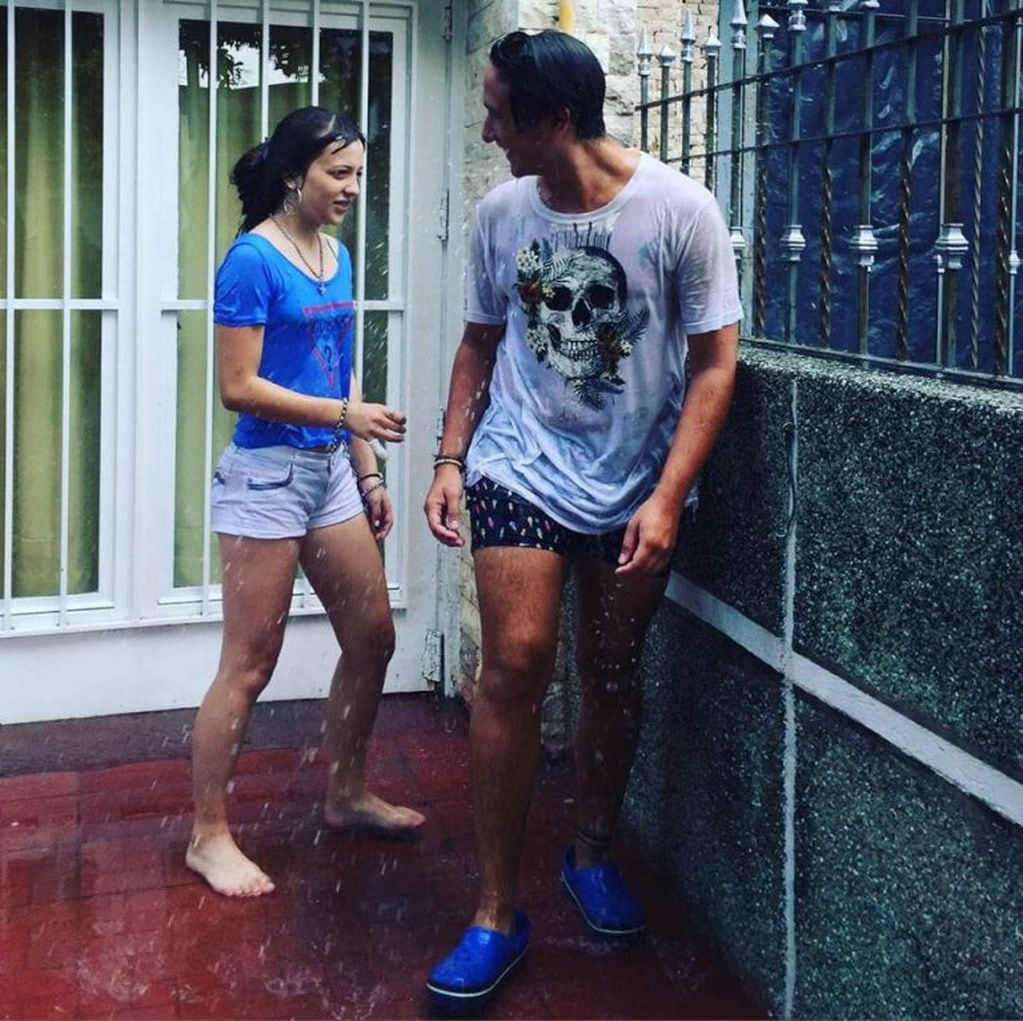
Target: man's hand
[(442, 505), (380, 512), (650, 538)]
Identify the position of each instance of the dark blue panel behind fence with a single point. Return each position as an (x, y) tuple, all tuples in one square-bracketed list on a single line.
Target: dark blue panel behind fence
[(909, 137)]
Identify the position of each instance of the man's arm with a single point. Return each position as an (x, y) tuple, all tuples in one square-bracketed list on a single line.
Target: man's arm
[(467, 398), (653, 530)]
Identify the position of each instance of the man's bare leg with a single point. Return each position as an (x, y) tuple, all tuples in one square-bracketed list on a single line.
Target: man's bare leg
[(344, 566), (519, 596), (258, 576), (613, 616)]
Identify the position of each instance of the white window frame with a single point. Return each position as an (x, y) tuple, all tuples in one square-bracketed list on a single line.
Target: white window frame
[(97, 608), (158, 599), (137, 443)]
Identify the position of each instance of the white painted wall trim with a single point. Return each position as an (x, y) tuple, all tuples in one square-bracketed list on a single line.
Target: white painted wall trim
[(991, 786)]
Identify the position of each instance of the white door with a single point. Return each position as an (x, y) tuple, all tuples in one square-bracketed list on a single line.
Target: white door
[(155, 639)]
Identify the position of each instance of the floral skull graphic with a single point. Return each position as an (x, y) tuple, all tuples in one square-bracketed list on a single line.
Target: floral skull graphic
[(577, 320)]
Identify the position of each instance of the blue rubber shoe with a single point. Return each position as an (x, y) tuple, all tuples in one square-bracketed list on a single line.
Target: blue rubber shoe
[(602, 898), (478, 965)]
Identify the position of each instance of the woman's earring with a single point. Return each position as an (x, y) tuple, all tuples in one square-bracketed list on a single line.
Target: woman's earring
[(292, 200)]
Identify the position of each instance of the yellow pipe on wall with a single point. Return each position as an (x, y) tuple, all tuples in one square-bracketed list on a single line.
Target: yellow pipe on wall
[(566, 16)]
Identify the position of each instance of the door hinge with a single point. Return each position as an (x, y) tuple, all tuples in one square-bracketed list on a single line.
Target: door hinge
[(442, 216), (447, 22), (433, 658), (440, 424)]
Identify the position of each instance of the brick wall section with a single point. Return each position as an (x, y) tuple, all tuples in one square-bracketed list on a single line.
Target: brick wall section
[(663, 23), (611, 28)]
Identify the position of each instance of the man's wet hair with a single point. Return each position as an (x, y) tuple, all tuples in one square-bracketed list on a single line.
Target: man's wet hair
[(549, 72)]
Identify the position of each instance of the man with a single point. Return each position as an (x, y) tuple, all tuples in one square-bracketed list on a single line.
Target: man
[(590, 272)]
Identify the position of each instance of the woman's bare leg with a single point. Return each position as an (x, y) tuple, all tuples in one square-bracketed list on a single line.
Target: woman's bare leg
[(257, 585), (343, 564)]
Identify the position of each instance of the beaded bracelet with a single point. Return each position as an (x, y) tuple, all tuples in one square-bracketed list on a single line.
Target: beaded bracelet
[(368, 475), (339, 425), (449, 459), (372, 489)]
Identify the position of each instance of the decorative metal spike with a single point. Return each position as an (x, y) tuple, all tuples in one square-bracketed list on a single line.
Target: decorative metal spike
[(766, 27), (871, 5), (1014, 263), (950, 247), (712, 46), (687, 36), (688, 33), (834, 7), (644, 54), (792, 242), (864, 242), (666, 57), (739, 24)]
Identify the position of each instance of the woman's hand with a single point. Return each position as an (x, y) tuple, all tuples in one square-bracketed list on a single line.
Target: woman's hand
[(380, 512), (375, 422)]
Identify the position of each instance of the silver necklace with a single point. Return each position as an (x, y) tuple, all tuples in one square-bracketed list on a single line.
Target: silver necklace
[(294, 244)]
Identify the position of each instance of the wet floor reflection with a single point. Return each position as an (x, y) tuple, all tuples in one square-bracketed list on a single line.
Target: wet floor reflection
[(100, 918)]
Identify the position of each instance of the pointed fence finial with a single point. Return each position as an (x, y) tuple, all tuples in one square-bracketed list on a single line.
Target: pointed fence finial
[(712, 45), (687, 36), (644, 54), (667, 56), (738, 25), (766, 27)]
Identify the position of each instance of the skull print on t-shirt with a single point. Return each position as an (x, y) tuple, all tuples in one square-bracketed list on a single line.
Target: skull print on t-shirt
[(575, 301)]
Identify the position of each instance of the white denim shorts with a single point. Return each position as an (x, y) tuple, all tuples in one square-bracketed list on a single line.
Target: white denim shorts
[(282, 492)]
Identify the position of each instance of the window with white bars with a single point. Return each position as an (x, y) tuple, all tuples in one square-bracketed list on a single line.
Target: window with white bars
[(282, 55), (59, 305), (104, 520)]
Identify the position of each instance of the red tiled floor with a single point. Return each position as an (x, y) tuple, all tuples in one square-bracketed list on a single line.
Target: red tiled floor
[(100, 918)]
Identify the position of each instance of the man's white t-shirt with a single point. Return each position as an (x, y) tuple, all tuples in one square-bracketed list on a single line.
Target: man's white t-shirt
[(589, 376)]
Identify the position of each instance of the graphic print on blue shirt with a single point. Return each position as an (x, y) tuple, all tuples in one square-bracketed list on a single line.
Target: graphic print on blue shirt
[(575, 298), (330, 334)]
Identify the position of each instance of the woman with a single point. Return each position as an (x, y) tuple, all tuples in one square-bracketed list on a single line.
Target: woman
[(299, 483)]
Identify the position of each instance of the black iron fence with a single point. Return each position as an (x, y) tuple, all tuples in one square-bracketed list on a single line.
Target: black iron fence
[(867, 154)]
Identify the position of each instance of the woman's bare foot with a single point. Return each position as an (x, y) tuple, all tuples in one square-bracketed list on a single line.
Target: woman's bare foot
[(219, 861), (371, 812)]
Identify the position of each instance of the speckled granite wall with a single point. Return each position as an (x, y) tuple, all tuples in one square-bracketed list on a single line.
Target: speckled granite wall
[(910, 555), (908, 573), (743, 496), (708, 787), (909, 899)]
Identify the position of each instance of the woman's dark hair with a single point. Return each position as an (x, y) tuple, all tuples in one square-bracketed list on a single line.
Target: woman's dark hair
[(297, 140), (550, 72)]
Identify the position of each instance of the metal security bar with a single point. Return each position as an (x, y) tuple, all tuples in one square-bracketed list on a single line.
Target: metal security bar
[(58, 310), (869, 168), (380, 301)]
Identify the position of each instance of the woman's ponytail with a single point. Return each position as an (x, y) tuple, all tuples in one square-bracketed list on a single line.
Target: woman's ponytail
[(260, 190)]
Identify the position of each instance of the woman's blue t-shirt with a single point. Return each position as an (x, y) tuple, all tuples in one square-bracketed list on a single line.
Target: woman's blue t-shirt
[(307, 335)]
